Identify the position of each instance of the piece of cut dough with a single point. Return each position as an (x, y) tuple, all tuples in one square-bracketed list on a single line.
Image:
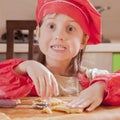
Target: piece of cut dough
[(3, 116), (52, 101), (47, 110), (65, 108), (55, 101)]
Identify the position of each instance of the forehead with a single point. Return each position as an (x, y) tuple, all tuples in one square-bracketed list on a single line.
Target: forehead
[(58, 16)]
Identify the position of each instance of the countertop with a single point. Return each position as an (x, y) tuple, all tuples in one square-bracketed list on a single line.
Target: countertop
[(103, 47), (26, 112)]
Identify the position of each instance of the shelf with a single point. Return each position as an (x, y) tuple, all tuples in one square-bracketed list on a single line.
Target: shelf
[(18, 48), (106, 47)]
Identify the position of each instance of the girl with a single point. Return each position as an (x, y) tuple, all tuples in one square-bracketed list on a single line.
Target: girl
[(64, 27)]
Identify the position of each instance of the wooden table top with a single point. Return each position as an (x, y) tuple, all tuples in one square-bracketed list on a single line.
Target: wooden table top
[(25, 111)]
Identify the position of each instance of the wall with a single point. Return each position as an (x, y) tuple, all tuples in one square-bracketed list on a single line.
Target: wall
[(25, 9), (110, 18), (17, 10)]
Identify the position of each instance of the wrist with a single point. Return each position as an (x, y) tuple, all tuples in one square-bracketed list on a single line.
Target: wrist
[(21, 68), (100, 86)]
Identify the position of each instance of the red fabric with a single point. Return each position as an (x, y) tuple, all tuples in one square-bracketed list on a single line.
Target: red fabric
[(80, 10), (13, 85), (84, 81)]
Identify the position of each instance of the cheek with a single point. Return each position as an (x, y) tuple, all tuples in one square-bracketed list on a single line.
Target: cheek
[(43, 44), (75, 48), (44, 40)]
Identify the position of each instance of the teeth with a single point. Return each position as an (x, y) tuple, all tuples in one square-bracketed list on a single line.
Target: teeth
[(58, 47)]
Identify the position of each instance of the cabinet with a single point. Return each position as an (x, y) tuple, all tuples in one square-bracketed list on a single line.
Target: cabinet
[(103, 56), (98, 60)]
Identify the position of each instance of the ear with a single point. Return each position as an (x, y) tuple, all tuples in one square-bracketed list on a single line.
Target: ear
[(84, 41), (37, 32)]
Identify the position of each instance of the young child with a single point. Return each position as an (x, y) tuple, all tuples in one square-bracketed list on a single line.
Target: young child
[(64, 28)]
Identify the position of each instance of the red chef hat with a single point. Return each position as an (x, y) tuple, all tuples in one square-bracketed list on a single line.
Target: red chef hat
[(81, 11)]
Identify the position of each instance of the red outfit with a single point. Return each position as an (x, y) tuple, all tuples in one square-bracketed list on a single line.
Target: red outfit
[(13, 85)]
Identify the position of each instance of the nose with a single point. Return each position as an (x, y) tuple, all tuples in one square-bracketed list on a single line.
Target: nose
[(60, 35)]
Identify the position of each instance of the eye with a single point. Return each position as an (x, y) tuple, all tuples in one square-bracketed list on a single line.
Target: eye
[(51, 26), (70, 28)]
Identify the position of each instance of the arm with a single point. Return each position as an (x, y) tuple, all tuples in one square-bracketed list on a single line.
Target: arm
[(92, 94), (44, 81), (112, 88), (18, 78), (89, 98), (111, 81)]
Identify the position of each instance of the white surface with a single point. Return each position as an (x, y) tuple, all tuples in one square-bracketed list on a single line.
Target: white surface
[(106, 47)]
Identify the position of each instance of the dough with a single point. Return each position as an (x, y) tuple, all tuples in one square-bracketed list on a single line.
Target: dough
[(65, 108), (54, 104), (3, 116)]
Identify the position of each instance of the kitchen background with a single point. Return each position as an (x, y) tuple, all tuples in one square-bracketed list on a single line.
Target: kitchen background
[(105, 56), (25, 9)]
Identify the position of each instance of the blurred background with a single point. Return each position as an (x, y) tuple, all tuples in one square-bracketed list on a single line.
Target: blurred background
[(25, 10)]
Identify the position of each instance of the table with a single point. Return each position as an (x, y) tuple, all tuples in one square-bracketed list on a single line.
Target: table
[(26, 112)]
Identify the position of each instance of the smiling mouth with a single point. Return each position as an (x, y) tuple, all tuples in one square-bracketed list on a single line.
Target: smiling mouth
[(58, 47)]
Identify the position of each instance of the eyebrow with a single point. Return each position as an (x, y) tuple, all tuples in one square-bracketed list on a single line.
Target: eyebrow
[(50, 18), (72, 21)]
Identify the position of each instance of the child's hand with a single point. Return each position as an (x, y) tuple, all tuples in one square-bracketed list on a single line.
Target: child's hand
[(90, 98), (44, 81)]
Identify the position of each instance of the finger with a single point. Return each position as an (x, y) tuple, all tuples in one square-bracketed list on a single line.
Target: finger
[(85, 104), (35, 80), (54, 85), (77, 101), (48, 86), (42, 86), (73, 102), (37, 86), (92, 106), (80, 104)]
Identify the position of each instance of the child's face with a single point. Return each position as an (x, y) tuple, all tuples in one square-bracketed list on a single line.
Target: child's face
[(60, 37)]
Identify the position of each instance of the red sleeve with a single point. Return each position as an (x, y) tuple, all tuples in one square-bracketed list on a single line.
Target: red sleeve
[(13, 85), (84, 81), (112, 89)]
